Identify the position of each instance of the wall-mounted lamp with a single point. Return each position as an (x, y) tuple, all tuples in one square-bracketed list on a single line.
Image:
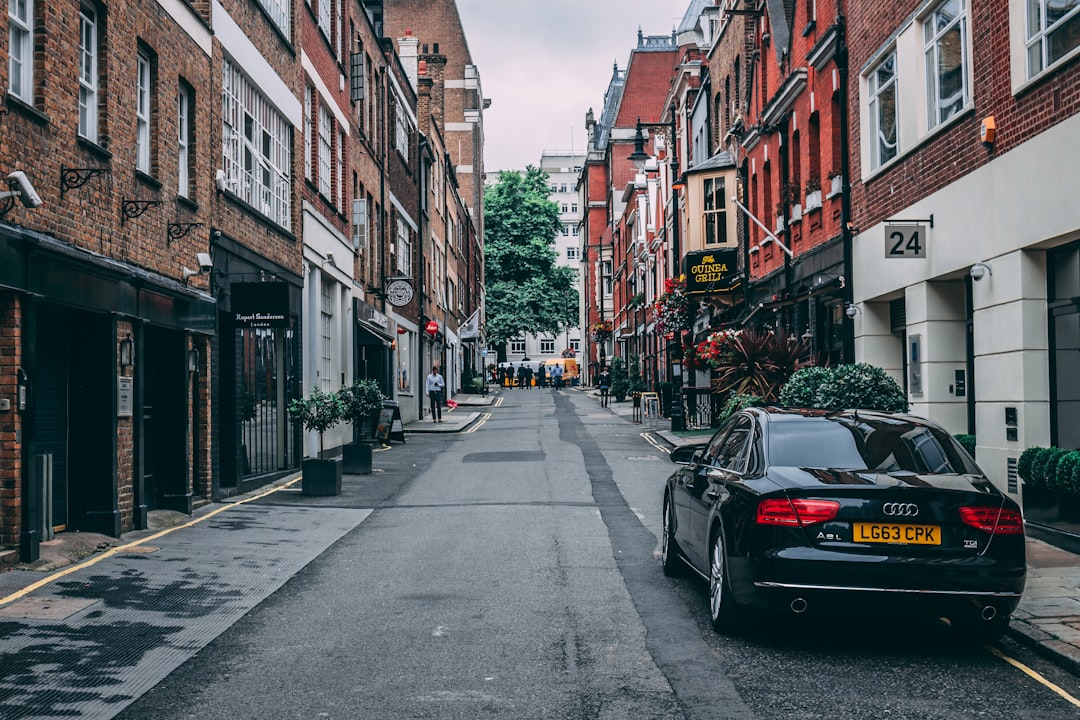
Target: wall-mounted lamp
[(638, 157), (127, 352), (193, 360), (851, 310), (980, 270)]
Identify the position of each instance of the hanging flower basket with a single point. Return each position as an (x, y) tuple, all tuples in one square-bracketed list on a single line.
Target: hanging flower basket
[(672, 309), (600, 331)]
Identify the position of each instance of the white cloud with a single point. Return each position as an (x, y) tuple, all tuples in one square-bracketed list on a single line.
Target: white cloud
[(544, 63)]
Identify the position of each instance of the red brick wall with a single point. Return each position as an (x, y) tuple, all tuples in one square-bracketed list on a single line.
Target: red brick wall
[(10, 420)]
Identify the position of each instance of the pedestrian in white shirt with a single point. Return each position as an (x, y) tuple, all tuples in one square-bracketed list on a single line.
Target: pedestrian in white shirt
[(433, 386)]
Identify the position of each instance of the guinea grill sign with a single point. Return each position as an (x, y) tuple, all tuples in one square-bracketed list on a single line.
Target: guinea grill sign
[(711, 271)]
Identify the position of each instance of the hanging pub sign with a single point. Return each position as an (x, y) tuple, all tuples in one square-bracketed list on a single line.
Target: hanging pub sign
[(261, 305), (711, 271)]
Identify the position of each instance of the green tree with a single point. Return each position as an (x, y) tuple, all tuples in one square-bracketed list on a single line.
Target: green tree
[(526, 291)]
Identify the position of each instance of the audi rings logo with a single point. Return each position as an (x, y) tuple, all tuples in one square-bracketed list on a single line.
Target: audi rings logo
[(900, 509)]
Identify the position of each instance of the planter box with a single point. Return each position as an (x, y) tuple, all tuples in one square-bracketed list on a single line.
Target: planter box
[(320, 477), (813, 200), (796, 212), (837, 185), (356, 458)]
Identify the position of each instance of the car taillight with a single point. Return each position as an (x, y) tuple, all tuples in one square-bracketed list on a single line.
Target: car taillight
[(796, 512), (1003, 521)]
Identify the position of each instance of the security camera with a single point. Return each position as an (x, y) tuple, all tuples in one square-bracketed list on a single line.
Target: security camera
[(20, 187), (850, 311), (205, 263), (979, 271)]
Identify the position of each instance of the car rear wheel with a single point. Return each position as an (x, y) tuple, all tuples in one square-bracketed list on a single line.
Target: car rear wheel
[(723, 613), (669, 548)]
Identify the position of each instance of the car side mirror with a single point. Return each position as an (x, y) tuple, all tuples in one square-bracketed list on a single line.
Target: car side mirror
[(686, 454)]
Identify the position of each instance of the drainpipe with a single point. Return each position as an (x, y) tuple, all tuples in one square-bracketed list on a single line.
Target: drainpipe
[(841, 60), (785, 236)]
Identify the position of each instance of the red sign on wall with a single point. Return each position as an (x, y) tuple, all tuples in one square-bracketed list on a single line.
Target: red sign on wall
[(432, 327)]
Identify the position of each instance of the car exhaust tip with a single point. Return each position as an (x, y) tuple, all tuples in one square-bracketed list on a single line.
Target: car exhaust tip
[(989, 612), (798, 606)]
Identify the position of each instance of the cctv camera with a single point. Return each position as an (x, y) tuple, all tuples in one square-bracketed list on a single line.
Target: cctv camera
[(205, 263), (850, 311), (979, 271), (20, 185)]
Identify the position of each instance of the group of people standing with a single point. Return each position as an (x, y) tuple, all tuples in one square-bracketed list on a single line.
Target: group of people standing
[(522, 376)]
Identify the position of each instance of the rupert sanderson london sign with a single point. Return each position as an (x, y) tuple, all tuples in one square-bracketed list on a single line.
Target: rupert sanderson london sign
[(261, 305), (711, 271)]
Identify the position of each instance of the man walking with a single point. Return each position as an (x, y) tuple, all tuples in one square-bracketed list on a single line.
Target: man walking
[(433, 386)]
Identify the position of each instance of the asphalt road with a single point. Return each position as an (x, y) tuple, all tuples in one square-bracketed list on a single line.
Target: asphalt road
[(511, 572)]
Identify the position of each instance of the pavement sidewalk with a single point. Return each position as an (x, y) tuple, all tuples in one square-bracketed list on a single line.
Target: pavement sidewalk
[(1048, 618)]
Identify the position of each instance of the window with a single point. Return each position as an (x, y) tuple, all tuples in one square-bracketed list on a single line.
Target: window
[(21, 61), (88, 73), (517, 346), (324, 14), (715, 216), (566, 230), (605, 276), (575, 231), (339, 172), (547, 346), (185, 106), (572, 252), (279, 11), (882, 89), (1053, 31), (573, 207), (359, 223), (256, 147), (945, 39), (404, 249), (142, 114), (326, 336), (309, 149), (575, 345), (326, 126), (401, 131), (565, 208)]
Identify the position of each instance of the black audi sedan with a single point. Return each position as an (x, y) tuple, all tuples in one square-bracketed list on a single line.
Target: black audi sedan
[(800, 510)]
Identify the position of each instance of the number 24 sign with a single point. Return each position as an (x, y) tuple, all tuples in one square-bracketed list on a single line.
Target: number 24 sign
[(905, 241)]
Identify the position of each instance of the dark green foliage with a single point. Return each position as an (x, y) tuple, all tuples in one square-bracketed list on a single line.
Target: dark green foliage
[(1038, 467), (737, 402), (1023, 465), (620, 381), (1066, 476), (363, 400), (526, 291), (319, 411), (1050, 468), (859, 386), (968, 443)]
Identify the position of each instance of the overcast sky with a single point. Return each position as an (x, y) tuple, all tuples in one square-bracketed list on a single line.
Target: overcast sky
[(544, 63)]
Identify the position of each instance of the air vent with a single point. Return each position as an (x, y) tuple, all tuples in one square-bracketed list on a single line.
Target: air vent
[(1012, 475), (897, 316)]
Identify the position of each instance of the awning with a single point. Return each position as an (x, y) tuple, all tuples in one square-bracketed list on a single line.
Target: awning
[(368, 334)]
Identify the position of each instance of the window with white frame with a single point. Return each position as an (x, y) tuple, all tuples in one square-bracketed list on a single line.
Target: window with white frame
[(256, 147), (324, 14), (605, 276), (326, 127), (572, 252), (575, 345), (279, 12), (946, 49), (404, 249), (185, 109), (21, 57), (517, 346), (401, 131), (88, 73), (339, 171), (882, 89), (359, 223), (326, 336), (715, 215), (566, 230), (547, 346), (309, 98), (575, 231), (142, 113), (1053, 32)]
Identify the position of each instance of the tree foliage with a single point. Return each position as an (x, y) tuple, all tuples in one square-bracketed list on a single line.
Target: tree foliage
[(526, 291)]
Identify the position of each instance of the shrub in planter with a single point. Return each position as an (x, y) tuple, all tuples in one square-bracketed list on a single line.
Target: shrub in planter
[(363, 400), (801, 390), (620, 381), (737, 402), (860, 386), (319, 411), (967, 442), (1037, 476), (1023, 465), (1065, 471)]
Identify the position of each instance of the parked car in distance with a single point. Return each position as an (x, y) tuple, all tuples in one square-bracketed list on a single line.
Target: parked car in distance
[(798, 510)]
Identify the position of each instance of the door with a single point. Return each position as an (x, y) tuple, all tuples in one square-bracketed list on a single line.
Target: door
[(165, 420)]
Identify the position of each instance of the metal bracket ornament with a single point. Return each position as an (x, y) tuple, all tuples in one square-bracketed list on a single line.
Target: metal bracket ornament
[(179, 230), (131, 209), (71, 178)]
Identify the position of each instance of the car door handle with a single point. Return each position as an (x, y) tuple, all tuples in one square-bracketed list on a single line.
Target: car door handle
[(716, 494)]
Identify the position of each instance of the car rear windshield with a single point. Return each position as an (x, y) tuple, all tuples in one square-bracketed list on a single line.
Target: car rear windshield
[(856, 444)]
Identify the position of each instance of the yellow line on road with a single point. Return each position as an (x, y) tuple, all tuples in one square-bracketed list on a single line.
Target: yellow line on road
[(121, 548), (652, 441), (1034, 675), (483, 419)]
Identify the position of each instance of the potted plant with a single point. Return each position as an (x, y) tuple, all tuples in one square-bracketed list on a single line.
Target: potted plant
[(620, 381), (319, 411), (363, 401), (836, 180), (813, 193)]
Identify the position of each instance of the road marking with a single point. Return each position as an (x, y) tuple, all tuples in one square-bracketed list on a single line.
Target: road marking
[(1034, 675), (652, 441), (483, 419), (135, 543)]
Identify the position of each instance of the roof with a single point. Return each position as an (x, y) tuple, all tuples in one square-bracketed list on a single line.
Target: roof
[(648, 77)]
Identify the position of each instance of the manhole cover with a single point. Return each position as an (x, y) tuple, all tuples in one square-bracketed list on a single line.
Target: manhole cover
[(46, 608)]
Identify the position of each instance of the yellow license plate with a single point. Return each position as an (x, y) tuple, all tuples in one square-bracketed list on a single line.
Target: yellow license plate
[(899, 534)]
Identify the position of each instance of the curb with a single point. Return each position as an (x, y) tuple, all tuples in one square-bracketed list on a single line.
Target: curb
[(1064, 654)]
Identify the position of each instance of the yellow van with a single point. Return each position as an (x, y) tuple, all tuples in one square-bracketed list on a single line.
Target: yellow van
[(571, 375)]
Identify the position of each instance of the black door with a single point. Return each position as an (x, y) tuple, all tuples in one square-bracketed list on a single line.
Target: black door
[(165, 416)]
